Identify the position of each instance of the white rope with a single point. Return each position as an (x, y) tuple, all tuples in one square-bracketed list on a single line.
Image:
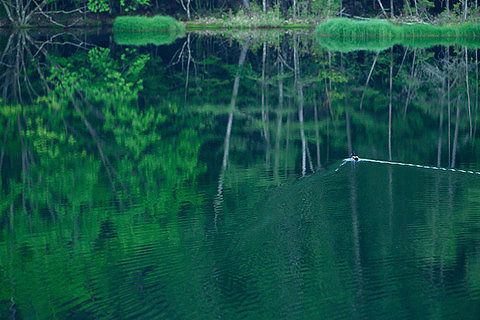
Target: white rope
[(407, 165)]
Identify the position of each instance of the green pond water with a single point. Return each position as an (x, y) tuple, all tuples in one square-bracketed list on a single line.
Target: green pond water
[(203, 178)]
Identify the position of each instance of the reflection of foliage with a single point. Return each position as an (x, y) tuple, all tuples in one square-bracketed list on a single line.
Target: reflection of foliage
[(104, 168), (142, 39)]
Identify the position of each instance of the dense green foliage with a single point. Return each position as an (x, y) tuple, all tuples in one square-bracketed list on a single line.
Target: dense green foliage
[(109, 6)]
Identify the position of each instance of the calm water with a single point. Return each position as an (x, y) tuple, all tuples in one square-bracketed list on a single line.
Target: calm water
[(197, 179)]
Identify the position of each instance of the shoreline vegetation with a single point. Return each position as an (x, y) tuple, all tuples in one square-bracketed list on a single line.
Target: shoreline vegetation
[(253, 20), (241, 14), (343, 28)]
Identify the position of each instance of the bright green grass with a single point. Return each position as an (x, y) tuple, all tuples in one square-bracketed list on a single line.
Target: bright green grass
[(147, 24), (343, 34)]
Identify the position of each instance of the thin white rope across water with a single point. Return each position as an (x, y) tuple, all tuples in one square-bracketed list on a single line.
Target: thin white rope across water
[(407, 165)]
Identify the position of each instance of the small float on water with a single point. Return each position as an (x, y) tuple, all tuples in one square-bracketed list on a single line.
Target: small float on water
[(354, 156)]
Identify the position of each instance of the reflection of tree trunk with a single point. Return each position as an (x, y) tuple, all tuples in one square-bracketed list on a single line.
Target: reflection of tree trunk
[(440, 128), (390, 108), (390, 197), (300, 99), (279, 123), (25, 165), (20, 66), (349, 132), (476, 90), (328, 86), (226, 144), (317, 134), (455, 137), (265, 116), (189, 60), (368, 79), (448, 106), (357, 257), (233, 102), (94, 135), (2, 153), (468, 92), (409, 90), (287, 140), (328, 140)]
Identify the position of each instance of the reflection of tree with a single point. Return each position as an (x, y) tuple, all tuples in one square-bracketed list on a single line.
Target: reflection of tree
[(25, 61), (21, 67), (228, 133)]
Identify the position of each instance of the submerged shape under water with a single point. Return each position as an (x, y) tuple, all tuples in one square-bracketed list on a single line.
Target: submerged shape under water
[(204, 179)]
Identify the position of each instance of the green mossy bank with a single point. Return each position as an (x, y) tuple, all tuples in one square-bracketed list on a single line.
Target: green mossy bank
[(139, 30), (342, 34)]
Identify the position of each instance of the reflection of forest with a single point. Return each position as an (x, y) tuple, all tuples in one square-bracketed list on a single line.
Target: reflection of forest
[(155, 132)]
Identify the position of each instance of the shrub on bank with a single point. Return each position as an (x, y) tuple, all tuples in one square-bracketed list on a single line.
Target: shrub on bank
[(147, 24)]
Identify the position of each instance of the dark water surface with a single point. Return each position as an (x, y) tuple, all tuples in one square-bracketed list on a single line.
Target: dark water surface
[(196, 179)]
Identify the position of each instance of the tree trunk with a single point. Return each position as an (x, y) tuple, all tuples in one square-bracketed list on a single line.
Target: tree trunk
[(383, 9)]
